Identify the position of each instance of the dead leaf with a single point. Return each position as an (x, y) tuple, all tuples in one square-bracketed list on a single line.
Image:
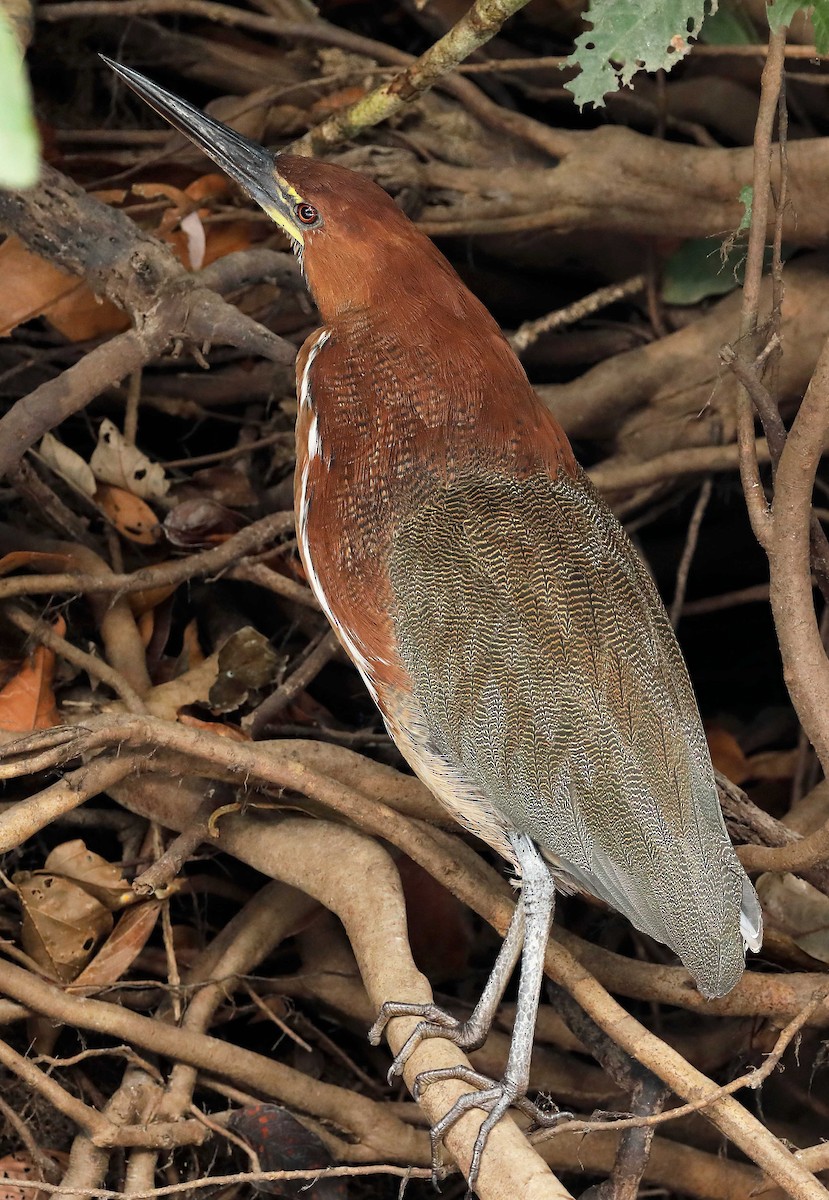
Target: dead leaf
[(93, 873), (117, 461), (67, 463), (36, 558), (193, 687), (122, 947), (131, 516), (201, 523), (726, 754), (62, 923), (27, 702), (247, 663), (193, 230), (33, 287), (797, 909), (19, 1166), (149, 599), (221, 730)]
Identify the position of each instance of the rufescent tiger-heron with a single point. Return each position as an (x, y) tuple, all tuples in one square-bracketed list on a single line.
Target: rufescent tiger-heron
[(499, 615)]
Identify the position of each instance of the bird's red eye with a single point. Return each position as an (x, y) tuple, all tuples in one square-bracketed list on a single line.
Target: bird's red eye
[(306, 213)]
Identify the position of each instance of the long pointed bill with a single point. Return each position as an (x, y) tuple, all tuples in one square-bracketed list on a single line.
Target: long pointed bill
[(248, 163)]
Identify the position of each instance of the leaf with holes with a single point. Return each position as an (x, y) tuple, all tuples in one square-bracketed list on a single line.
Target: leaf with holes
[(122, 947), (117, 461), (629, 36), (62, 923), (73, 860), (131, 516)]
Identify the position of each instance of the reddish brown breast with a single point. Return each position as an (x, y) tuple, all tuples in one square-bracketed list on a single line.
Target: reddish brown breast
[(391, 407)]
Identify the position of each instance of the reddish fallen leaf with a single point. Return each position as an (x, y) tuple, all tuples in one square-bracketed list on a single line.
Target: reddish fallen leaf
[(131, 516), (726, 754), (40, 560), (33, 287), (27, 702), (195, 523), (19, 1166), (228, 731)]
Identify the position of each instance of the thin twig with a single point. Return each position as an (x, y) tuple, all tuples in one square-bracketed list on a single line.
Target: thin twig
[(758, 510), (94, 666), (476, 27), (531, 331), (688, 551), (206, 562)]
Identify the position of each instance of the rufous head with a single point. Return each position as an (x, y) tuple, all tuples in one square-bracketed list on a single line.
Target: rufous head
[(355, 245)]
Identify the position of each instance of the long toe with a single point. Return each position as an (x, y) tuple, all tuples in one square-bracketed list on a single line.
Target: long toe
[(423, 1029), (465, 1074), (492, 1118), (429, 1013)]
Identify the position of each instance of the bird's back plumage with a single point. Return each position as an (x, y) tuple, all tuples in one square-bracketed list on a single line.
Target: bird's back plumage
[(550, 681)]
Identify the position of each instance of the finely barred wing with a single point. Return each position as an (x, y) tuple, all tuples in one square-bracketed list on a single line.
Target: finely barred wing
[(550, 682)]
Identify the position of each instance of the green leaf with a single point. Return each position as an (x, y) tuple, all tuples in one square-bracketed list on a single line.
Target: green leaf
[(780, 12), (632, 35), (820, 20), (698, 270), (704, 267), (747, 201), (728, 27), (19, 143)]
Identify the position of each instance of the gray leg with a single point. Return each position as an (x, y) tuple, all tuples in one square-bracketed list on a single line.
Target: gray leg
[(468, 1035), (531, 926)]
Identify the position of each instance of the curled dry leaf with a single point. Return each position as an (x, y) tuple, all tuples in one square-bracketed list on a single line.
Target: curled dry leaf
[(247, 663), (27, 700), (19, 1166), (727, 755), (131, 516), (62, 923), (67, 908), (118, 462), (92, 872), (67, 463), (201, 523), (32, 288), (38, 559), (799, 910)]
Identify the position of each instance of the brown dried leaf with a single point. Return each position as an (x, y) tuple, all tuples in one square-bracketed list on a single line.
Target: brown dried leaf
[(33, 287), (90, 871), (247, 663), (131, 516), (35, 558), (122, 947), (117, 461), (797, 909), (726, 754), (284, 1144), (19, 1166), (62, 923), (201, 523)]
